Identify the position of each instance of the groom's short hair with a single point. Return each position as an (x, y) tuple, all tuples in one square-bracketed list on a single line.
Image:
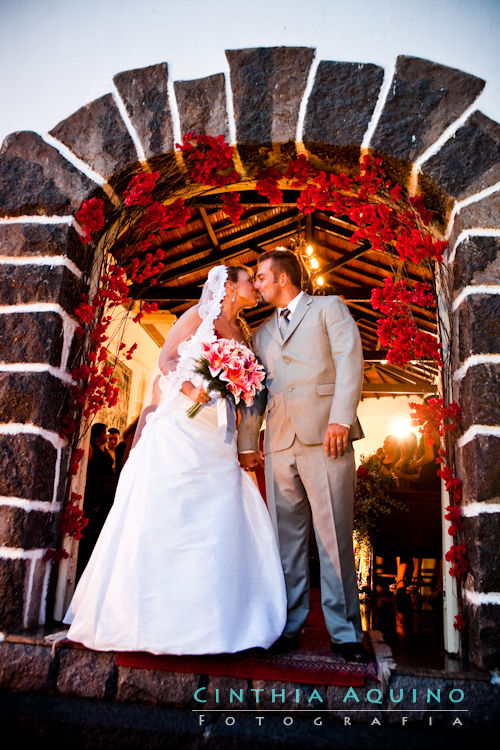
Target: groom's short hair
[(284, 261)]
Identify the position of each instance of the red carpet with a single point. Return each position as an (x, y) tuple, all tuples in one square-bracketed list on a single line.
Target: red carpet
[(313, 663)]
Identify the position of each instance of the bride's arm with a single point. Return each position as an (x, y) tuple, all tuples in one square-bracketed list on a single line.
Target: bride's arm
[(180, 332)]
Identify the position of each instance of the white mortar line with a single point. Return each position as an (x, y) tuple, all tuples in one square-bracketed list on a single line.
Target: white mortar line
[(467, 202), (18, 553), (57, 475), (38, 220), (13, 428), (465, 234), (476, 359), (379, 107), (29, 505), (75, 160), (27, 600), (477, 598), (43, 601), (33, 307), (474, 289), (299, 133), (475, 430), (231, 119), (37, 367), (41, 260), (477, 509), (69, 327), (176, 122), (128, 122)]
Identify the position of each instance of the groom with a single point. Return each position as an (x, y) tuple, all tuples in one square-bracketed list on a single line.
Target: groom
[(312, 352)]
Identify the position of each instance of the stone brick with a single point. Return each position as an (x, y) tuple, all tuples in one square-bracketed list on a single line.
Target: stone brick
[(362, 710), (290, 695), (202, 105), (27, 467), (482, 533), (479, 396), (24, 284), (86, 674), (222, 699), (483, 483), (44, 239), (478, 325), (468, 162), (423, 100), (157, 687), (24, 667), (36, 179), (484, 214), (477, 261), (339, 110), (484, 625), (31, 337), (12, 575), (404, 685), (145, 94), (268, 85), (27, 529), (32, 398), (97, 134), (482, 700)]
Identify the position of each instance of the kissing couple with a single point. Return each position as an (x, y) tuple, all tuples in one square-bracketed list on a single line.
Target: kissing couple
[(190, 560)]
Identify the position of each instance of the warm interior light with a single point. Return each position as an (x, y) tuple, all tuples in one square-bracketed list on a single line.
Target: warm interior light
[(384, 361), (401, 427), (314, 263), (320, 281), (309, 250)]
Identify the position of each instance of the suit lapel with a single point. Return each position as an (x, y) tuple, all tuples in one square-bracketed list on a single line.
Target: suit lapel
[(271, 327), (299, 313)]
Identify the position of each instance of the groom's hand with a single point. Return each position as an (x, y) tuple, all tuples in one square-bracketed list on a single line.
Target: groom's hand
[(251, 461), (336, 440)]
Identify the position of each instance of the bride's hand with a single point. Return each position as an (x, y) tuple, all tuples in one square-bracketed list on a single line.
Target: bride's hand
[(195, 393)]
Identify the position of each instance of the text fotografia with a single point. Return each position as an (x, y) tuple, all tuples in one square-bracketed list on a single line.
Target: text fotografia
[(431, 697)]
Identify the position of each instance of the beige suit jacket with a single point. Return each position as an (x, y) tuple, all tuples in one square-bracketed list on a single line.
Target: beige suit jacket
[(314, 376)]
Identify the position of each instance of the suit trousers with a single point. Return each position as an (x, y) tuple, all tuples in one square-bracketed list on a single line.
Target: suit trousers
[(304, 485)]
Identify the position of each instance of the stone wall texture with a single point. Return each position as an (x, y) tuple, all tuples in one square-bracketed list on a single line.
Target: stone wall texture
[(268, 86)]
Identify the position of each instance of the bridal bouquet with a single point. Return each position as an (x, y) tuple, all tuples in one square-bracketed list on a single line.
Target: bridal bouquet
[(231, 369)]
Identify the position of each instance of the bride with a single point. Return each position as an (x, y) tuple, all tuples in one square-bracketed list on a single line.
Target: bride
[(187, 561)]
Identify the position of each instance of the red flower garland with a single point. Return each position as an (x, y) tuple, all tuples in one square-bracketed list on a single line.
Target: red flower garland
[(399, 227)]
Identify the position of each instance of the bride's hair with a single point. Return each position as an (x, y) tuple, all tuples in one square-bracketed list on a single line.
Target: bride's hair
[(233, 273)]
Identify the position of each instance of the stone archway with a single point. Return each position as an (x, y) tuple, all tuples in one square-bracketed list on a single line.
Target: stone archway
[(277, 101)]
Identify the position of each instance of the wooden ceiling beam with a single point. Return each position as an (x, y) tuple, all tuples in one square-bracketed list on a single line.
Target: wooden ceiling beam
[(399, 389)]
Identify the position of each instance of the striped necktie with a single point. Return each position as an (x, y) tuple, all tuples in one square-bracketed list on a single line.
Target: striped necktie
[(285, 321)]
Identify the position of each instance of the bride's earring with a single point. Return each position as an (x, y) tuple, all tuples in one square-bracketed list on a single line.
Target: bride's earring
[(234, 296)]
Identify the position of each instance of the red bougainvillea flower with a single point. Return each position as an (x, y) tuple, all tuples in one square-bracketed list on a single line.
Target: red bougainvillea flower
[(460, 623), (210, 159), (140, 188), (72, 520), (457, 554), (232, 206), (267, 184), (91, 217), (55, 554), (454, 515)]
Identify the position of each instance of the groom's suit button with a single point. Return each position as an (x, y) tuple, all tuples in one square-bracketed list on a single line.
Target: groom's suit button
[(286, 361), (291, 388)]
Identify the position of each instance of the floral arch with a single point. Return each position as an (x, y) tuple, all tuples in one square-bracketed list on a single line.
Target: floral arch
[(285, 111)]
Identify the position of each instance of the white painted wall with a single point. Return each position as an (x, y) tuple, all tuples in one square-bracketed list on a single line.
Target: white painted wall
[(56, 55)]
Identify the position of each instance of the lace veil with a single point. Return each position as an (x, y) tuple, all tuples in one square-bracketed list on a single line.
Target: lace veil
[(183, 347)]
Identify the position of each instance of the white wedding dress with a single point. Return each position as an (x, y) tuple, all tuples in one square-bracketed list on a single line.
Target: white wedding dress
[(187, 561)]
